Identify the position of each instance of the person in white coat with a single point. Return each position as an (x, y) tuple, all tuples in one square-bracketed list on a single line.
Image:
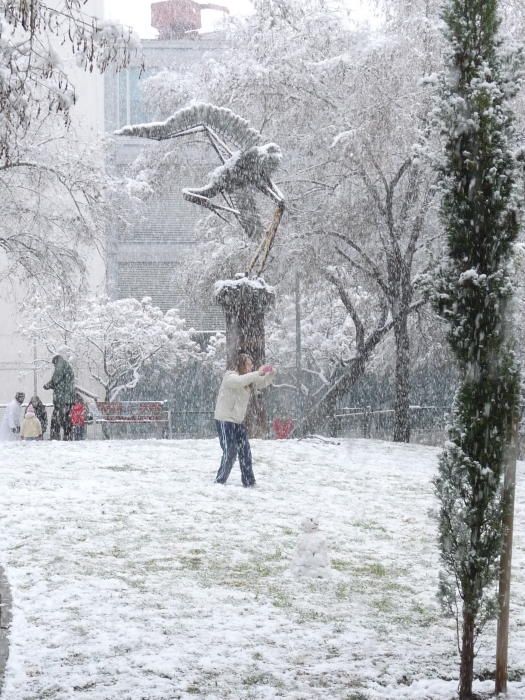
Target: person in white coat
[(31, 428), (10, 427), (230, 412)]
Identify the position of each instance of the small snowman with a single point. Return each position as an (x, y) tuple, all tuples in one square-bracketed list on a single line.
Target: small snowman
[(311, 556)]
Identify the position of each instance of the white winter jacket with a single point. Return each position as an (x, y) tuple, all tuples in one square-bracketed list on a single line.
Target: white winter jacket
[(234, 394), (31, 427), (11, 421)]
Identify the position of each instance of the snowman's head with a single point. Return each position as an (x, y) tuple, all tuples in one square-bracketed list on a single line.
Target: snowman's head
[(310, 524)]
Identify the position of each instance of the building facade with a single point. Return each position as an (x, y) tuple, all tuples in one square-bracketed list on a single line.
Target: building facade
[(146, 255)]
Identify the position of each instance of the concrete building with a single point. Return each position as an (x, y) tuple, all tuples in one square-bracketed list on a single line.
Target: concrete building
[(147, 257)]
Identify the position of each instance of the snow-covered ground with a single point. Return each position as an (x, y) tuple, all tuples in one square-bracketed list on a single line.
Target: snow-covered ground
[(135, 577)]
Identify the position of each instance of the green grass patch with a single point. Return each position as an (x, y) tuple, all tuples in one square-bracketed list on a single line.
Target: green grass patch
[(342, 591), (190, 562), (259, 679), (341, 564), (383, 605), (369, 525), (288, 531), (306, 616), (193, 689), (375, 569), (276, 555), (279, 598)]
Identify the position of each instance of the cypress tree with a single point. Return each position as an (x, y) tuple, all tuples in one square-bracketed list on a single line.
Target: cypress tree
[(480, 212)]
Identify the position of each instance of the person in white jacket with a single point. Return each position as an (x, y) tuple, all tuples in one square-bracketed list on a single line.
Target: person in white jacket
[(10, 427), (230, 412)]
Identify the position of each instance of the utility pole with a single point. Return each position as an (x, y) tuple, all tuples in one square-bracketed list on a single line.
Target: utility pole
[(35, 375), (509, 487), (298, 351)]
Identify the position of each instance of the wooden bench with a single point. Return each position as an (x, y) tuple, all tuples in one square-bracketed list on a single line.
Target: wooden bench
[(134, 413)]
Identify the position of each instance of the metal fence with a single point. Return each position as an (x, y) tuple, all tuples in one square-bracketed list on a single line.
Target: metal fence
[(427, 423), (182, 424), (194, 424)]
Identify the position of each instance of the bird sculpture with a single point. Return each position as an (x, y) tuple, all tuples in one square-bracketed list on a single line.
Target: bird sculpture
[(247, 166)]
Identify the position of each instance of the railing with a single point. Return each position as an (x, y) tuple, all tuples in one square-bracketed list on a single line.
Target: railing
[(193, 424), (138, 418), (127, 420), (427, 423)]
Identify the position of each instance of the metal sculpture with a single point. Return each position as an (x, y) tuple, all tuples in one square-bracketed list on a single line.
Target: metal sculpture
[(247, 166)]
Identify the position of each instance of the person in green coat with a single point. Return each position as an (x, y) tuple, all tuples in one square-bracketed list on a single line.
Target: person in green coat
[(63, 385)]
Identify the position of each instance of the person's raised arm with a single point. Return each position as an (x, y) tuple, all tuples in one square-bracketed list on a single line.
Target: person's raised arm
[(233, 380), (264, 379)]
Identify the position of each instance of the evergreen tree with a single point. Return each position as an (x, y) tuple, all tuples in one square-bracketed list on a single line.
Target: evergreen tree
[(480, 212)]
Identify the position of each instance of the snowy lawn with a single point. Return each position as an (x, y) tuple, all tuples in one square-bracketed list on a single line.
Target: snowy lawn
[(135, 577)]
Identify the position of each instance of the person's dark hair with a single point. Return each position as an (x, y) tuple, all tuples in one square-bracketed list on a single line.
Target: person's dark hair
[(242, 359)]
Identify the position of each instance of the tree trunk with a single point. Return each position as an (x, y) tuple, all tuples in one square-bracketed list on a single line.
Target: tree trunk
[(256, 420), (245, 332), (245, 302), (466, 670), (509, 486), (106, 430), (333, 424), (402, 379)]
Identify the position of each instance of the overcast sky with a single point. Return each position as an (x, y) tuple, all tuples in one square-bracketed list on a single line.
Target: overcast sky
[(137, 13)]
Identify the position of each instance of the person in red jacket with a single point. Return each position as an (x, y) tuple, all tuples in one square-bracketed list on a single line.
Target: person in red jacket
[(78, 416)]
